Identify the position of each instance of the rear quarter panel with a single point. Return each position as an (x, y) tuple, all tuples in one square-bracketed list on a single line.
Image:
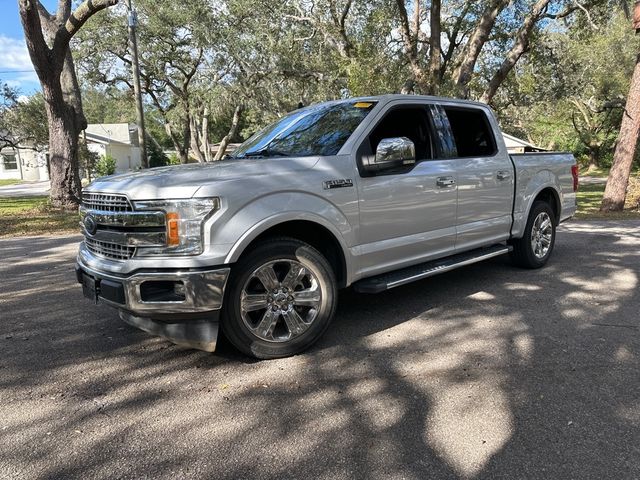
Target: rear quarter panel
[(534, 173)]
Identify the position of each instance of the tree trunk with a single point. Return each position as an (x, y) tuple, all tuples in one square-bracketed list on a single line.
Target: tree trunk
[(63, 152), (410, 41), (615, 192), (224, 143), (204, 136), (593, 157), (195, 141), (181, 152), (436, 48)]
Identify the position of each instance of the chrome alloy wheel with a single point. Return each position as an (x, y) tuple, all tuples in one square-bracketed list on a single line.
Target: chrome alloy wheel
[(541, 235), (280, 300)]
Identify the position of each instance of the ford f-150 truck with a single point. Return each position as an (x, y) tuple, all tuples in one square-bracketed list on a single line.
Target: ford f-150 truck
[(371, 193)]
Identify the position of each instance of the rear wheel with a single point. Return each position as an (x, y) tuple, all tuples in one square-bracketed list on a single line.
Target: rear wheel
[(281, 298), (535, 247)]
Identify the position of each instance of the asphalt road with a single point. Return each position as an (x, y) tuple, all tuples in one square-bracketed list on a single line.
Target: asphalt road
[(485, 372), (25, 189)]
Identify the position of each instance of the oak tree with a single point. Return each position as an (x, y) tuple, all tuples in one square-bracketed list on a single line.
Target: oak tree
[(48, 37)]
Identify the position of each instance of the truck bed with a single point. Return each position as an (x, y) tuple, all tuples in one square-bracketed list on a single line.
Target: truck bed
[(539, 168)]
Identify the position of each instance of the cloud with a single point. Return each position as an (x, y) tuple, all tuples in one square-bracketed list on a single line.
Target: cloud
[(16, 69), (14, 54)]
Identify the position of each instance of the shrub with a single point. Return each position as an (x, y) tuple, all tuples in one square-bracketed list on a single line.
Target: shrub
[(157, 158), (173, 159), (105, 166)]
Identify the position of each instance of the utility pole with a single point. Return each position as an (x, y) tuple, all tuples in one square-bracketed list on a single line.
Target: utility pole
[(135, 66)]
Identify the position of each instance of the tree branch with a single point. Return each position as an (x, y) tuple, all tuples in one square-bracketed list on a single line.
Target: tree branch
[(78, 18), (34, 36), (64, 11)]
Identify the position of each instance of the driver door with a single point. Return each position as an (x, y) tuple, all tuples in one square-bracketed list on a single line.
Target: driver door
[(407, 215)]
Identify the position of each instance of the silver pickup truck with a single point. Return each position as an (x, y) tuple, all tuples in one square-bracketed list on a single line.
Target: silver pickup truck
[(371, 193)]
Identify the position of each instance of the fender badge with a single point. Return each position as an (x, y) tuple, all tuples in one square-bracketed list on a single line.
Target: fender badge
[(340, 183)]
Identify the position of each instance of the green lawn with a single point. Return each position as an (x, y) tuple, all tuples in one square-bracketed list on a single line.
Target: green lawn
[(594, 172), (589, 200), (20, 216), (10, 181), (603, 172)]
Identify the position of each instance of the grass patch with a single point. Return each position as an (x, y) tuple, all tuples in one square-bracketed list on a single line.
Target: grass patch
[(589, 200), (603, 172), (594, 172), (9, 181), (22, 216)]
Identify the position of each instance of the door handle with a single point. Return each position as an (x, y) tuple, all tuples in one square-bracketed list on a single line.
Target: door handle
[(502, 175), (444, 182)]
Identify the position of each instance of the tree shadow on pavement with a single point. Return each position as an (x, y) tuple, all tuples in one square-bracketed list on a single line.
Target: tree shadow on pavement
[(485, 372)]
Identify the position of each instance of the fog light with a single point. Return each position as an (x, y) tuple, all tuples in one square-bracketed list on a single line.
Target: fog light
[(162, 291), (179, 290)]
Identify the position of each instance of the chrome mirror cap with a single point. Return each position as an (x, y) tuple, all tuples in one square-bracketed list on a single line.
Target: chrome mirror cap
[(394, 152)]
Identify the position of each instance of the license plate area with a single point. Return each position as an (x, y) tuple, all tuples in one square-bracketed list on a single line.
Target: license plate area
[(90, 287)]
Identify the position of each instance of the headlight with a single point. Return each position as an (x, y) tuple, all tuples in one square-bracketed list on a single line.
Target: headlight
[(184, 224)]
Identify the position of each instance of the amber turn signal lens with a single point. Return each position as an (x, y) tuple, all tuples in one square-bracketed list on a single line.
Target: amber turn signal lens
[(173, 237)]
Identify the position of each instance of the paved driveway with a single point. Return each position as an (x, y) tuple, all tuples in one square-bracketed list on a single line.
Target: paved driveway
[(485, 372), (25, 189)]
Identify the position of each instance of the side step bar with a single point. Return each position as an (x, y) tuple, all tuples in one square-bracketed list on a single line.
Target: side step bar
[(397, 278)]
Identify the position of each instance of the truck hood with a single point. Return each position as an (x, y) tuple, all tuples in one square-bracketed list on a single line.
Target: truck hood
[(183, 181)]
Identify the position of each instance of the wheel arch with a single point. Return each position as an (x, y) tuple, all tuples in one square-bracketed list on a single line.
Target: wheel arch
[(543, 186), (324, 238), (549, 195)]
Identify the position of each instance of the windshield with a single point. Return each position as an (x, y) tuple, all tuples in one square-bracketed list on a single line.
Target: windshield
[(317, 130)]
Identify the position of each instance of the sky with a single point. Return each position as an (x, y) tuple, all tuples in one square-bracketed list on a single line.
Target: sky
[(15, 64)]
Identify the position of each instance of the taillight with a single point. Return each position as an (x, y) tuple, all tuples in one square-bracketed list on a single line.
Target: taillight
[(574, 172)]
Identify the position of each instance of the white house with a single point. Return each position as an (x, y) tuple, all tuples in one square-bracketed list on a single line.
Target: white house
[(23, 164), (118, 140)]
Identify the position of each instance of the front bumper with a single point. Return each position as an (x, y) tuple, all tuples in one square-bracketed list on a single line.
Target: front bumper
[(182, 306)]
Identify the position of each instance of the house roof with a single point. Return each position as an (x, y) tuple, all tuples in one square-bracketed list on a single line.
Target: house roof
[(514, 142), (103, 140), (112, 133)]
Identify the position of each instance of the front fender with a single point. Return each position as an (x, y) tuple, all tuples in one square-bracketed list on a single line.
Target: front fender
[(232, 233)]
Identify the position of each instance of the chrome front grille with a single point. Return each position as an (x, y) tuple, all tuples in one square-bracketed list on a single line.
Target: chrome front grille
[(109, 250), (114, 230), (106, 202)]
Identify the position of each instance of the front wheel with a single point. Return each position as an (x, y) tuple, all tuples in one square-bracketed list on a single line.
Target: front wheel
[(534, 248), (280, 299)]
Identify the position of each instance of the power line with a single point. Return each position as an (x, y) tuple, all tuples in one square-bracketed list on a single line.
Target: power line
[(17, 71)]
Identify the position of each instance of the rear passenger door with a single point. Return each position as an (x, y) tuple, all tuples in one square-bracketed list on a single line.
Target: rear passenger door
[(485, 177)]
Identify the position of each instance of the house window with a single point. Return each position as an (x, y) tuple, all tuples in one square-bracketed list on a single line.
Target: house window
[(9, 162)]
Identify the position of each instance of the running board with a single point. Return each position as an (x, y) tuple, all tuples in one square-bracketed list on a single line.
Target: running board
[(397, 278)]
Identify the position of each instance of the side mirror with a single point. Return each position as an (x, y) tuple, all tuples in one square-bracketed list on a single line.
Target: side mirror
[(393, 152)]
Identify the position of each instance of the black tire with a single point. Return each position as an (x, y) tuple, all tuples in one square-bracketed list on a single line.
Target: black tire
[(523, 254), (275, 254)]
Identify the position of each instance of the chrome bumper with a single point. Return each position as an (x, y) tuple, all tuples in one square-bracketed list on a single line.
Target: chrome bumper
[(203, 290)]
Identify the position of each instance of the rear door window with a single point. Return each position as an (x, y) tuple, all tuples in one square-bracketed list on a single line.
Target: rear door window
[(471, 131)]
